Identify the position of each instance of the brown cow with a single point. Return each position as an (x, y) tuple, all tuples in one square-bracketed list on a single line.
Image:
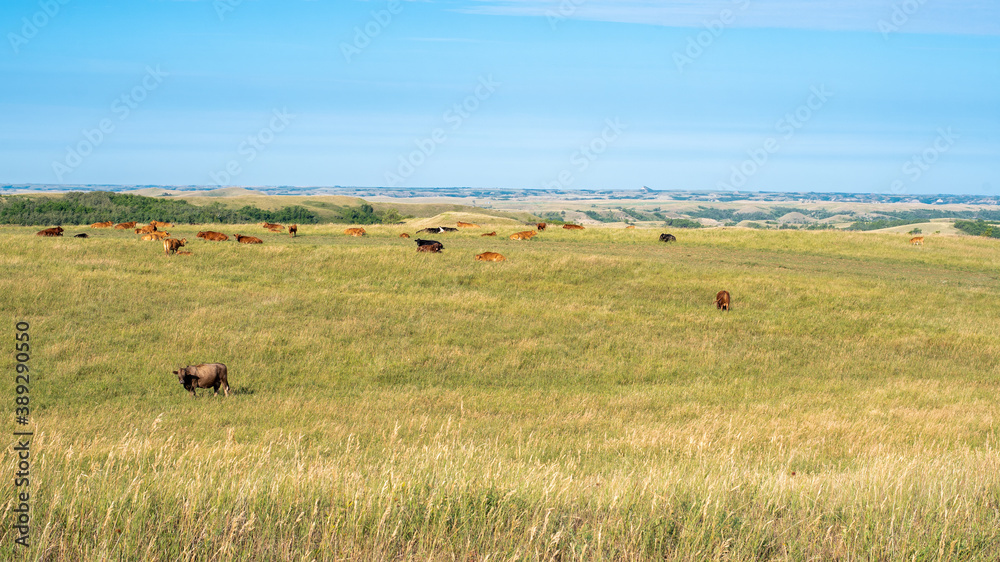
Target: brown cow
[(526, 235), (271, 225), (355, 232), (211, 375), (630, 227), (170, 245), (573, 227), (490, 256), (107, 224), (247, 239), (146, 229), (158, 235), (183, 253), (494, 233), (404, 235), (433, 248), (55, 231), (917, 240), (540, 226), (722, 300), (125, 225), (466, 225), (159, 224), (213, 236), (293, 230), (276, 228)]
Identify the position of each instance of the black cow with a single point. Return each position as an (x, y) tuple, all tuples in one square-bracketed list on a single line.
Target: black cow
[(428, 243), (668, 238), (438, 229)]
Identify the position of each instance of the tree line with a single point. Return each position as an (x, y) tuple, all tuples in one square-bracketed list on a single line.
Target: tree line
[(97, 206)]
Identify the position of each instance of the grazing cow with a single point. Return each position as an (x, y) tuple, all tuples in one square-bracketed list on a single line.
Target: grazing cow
[(722, 300), (125, 225), (146, 229), (55, 231), (210, 375), (160, 224), (668, 238), (293, 230), (437, 229), (107, 224), (526, 235), (490, 256), (404, 235), (247, 239), (917, 240), (213, 236), (170, 245), (541, 226), (630, 227), (81, 235), (466, 225), (355, 232), (573, 227), (494, 233)]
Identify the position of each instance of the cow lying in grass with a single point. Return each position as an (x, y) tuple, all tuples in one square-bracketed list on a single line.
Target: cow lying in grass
[(432, 246)]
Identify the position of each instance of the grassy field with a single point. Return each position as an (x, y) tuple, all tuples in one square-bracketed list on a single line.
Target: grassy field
[(582, 400)]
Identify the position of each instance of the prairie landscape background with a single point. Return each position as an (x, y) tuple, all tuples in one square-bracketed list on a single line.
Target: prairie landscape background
[(582, 400)]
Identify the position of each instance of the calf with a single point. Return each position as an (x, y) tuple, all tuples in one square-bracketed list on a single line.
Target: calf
[(668, 238), (170, 245), (490, 256), (247, 239), (526, 235), (293, 230), (722, 300), (917, 240), (494, 233), (55, 231), (404, 235), (355, 232), (210, 375), (540, 226), (81, 235)]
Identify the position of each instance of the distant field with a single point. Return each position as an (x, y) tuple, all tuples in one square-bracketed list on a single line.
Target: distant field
[(582, 400)]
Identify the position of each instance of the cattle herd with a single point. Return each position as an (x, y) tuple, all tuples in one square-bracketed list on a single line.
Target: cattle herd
[(215, 375)]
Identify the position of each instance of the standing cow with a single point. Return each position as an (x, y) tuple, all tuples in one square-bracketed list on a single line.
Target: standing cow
[(204, 375), (293, 230), (722, 300), (171, 245)]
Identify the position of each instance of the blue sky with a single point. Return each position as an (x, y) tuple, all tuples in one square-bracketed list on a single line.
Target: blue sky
[(775, 95)]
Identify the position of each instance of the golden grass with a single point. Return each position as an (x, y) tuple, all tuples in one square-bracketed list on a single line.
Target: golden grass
[(582, 400)]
